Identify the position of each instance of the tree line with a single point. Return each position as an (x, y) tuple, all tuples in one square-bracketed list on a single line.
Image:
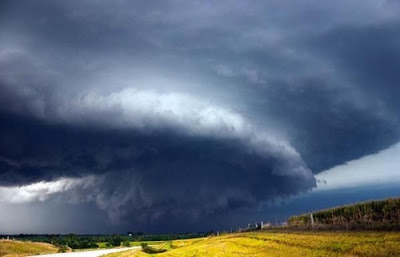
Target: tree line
[(92, 241)]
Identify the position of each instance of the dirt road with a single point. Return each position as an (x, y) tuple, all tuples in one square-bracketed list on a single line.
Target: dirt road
[(91, 253)]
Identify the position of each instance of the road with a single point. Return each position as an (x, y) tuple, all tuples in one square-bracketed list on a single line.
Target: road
[(91, 253)]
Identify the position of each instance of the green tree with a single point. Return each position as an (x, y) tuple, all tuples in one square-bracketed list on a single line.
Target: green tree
[(115, 240)]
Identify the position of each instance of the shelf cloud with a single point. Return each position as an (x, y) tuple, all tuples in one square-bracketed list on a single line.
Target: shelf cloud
[(174, 114)]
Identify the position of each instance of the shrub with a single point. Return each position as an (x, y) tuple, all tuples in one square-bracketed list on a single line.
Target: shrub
[(115, 240), (62, 249), (151, 250)]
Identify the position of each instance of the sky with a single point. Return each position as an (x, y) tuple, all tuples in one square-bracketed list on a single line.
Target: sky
[(178, 116)]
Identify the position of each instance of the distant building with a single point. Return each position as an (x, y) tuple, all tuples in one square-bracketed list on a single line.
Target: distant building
[(265, 225)]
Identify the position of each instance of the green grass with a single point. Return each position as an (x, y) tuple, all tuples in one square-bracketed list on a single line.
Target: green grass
[(283, 244), (135, 243), (102, 245), (10, 248), (148, 242)]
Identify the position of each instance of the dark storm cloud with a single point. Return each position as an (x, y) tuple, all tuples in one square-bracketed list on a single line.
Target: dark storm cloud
[(149, 176), (187, 109), (369, 56), (344, 131)]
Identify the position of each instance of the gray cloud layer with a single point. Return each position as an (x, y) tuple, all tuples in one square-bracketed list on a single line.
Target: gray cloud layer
[(193, 109)]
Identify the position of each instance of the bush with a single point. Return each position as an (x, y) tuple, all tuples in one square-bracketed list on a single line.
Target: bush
[(115, 240), (126, 243), (151, 250), (62, 249), (74, 241)]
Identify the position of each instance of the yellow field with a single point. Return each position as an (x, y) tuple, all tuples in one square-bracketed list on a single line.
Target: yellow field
[(10, 248), (285, 244)]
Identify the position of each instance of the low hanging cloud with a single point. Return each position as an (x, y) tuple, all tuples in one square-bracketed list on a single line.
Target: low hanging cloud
[(42, 191)]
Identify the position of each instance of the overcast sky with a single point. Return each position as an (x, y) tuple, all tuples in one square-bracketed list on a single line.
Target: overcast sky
[(175, 116)]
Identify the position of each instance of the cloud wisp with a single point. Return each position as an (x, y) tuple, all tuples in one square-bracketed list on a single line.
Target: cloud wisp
[(42, 191)]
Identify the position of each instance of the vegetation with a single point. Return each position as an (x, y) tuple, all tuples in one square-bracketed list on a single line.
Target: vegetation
[(284, 243), (100, 241), (115, 240), (169, 237), (374, 215), (126, 243), (63, 249), (103, 241), (148, 242), (74, 242), (135, 243), (10, 248), (149, 249)]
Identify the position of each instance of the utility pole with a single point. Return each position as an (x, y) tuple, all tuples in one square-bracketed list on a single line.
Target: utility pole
[(312, 220)]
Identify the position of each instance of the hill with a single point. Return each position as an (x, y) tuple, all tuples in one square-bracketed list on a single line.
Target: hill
[(384, 214), (9, 248)]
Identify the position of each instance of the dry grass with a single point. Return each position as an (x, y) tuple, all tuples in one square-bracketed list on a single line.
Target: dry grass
[(260, 244), (9, 248)]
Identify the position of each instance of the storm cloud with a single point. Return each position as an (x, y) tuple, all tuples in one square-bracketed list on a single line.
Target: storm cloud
[(167, 113)]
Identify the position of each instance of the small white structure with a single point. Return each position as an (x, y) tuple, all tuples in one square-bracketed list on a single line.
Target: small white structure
[(265, 225)]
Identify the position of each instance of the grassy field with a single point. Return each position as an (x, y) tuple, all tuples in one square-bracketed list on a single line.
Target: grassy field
[(135, 243), (257, 244), (10, 248)]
